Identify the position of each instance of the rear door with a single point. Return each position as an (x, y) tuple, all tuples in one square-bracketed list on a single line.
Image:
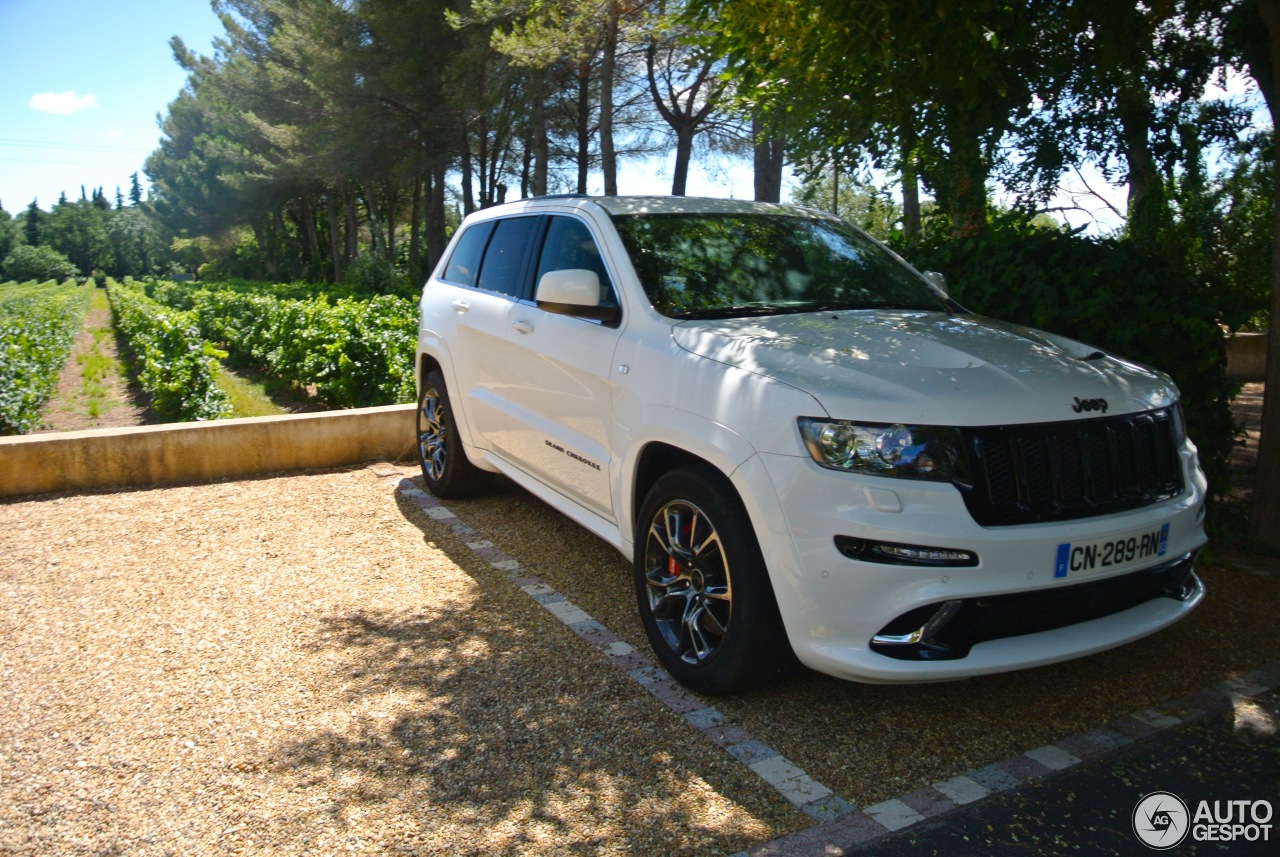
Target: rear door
[(487, 273)]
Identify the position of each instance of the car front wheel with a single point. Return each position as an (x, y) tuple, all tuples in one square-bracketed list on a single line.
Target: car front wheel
[(703, 589)]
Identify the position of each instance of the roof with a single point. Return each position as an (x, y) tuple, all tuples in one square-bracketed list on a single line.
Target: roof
[(622, 205)]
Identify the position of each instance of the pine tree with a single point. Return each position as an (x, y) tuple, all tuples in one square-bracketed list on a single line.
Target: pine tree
[(135, 190), (32, 228)]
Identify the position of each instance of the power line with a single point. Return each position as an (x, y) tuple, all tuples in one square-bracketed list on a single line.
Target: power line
[(54, 144), (57, 163)]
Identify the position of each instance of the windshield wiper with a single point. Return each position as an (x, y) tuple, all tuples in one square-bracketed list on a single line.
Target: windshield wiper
[(740, 311)]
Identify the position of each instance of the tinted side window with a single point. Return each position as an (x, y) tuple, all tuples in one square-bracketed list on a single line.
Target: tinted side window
[(505, 262), (569, 245), (464, 264)]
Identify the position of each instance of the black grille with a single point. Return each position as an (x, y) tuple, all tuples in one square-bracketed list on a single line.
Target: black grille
[(978, 620), (1061, 471)]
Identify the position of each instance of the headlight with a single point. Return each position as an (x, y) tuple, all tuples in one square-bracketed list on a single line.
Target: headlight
[(906, 452)]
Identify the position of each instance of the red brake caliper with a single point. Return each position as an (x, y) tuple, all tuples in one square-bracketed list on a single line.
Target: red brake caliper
[(673, 567)]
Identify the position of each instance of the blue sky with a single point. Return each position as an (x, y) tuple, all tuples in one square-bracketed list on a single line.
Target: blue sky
[(83, 81)]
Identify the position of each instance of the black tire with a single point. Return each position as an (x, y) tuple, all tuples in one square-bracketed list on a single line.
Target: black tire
[(703, 589), (445, 468)]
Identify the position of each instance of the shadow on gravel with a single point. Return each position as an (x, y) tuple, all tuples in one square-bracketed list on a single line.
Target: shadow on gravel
[(489, 727)]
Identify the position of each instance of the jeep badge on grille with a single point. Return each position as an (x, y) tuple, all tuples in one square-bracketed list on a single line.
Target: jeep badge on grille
[(1089, 405)]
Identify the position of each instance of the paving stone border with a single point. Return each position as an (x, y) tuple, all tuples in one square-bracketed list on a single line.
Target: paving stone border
[(838, 824)]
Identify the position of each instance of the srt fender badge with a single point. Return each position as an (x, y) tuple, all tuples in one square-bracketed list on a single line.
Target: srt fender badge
[(1082, 405)]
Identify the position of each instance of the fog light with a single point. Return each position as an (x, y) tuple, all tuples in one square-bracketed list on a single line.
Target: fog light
[(891, 553)]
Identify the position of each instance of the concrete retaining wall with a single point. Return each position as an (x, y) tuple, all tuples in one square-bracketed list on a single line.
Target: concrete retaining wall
[(200, 452)]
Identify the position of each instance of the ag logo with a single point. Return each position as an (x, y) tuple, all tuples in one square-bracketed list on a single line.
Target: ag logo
[(1161, 820)]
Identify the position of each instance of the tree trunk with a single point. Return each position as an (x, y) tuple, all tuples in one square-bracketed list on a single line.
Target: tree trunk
[(308, 218), (277, 239), (353, 226), (584, 125), (468, 190), (391, 221), (910, 186), (264, 247), (684, 153), (608, 63), (1146, 206), (1264, 518), (482, 155), (374, 206), (966, 198), (436, 239), (526, 168), (541, 154), (415, 233), (767, 163), (335, 248)]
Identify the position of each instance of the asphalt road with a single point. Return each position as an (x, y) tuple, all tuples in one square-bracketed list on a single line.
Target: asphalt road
[(1228, 756)]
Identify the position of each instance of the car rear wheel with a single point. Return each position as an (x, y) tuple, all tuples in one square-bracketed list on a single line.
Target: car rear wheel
[(445, 468), (702, 587)]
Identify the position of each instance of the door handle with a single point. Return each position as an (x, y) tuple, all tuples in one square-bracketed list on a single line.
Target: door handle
[(522, 326), (460, 305)]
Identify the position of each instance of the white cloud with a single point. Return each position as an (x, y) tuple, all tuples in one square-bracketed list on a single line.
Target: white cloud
[(114, 134), (61, 103)]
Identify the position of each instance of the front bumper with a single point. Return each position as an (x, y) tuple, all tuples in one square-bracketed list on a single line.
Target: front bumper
[(870, 621)]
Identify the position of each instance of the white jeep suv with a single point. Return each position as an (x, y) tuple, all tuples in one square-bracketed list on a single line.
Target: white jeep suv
[(803, 445)]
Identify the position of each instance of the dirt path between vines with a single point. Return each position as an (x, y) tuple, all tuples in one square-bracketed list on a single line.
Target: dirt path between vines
[(93, 389)]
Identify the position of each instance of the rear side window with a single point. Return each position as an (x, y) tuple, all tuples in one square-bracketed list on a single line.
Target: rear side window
[(506, 261), (464, 264)]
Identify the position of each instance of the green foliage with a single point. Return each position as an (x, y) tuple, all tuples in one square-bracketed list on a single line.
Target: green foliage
[(175, 366), (1109, 293), (372, 273), (78, 229), (1222, 233), (354, 352), (235, 254), (10, 232), (40, 263), (38, 324), (873, 209)]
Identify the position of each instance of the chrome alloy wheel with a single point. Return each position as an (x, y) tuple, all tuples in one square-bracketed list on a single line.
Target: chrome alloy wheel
[(432, 434), (688, 581)]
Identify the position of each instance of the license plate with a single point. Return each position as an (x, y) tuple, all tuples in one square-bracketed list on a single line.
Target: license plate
[(1077, 559)]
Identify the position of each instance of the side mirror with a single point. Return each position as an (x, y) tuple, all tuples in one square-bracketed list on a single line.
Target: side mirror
[(937, 280), (574, 291)]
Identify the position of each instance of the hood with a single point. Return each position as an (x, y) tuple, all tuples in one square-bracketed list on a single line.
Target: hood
[(930, 368)]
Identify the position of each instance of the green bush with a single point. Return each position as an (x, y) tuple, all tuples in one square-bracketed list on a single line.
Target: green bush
[(175, 366), (38, 324), (1104, 292), (39, 263), (370, 272)]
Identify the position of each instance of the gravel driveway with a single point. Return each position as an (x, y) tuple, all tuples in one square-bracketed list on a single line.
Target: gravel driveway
[(313, 664)]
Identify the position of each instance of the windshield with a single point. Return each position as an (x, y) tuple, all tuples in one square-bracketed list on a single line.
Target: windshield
[(733, 265)]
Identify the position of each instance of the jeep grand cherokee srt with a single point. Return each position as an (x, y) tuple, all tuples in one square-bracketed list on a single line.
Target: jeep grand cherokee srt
[(803, 445)]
